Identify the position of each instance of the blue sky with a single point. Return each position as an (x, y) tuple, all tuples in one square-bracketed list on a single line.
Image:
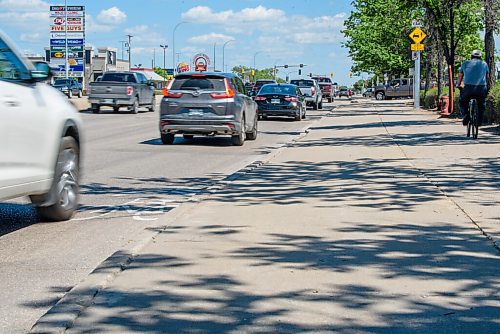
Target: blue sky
[(279, 31)]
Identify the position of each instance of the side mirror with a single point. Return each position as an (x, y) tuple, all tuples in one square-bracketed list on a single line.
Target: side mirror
[(41, 72), (151, 83)]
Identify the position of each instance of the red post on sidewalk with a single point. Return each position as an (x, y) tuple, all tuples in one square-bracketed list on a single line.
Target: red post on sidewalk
[(451, 95)]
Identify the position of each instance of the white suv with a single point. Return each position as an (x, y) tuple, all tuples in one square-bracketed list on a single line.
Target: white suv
[(40, 136)]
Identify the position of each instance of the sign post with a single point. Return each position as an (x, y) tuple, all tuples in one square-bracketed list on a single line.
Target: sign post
[(417, 36)]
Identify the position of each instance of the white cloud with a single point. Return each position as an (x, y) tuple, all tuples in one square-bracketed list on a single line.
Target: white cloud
[(111, 16), (24, 5), (107, 20), (31, 38), (143, 35), (209, 39)]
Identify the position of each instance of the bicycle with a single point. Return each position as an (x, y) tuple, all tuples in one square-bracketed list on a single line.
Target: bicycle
[(473, 125)]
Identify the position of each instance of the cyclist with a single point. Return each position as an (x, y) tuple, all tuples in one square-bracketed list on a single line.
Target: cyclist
[(474, 73)]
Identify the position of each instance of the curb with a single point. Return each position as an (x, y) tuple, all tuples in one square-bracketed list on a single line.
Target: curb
[(66, 311)]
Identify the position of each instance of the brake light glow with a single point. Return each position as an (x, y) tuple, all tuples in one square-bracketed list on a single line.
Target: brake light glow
[(313, 91), (229, 93), (130, 90), (260, 98), (291, 99), (168, 93)]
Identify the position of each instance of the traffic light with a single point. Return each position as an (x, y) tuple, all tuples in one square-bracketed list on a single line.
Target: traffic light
[(310, 75), (350, 74), (331, 75), (301, 65), (253, 72), (242, 71), (300, 72), (286, 66)]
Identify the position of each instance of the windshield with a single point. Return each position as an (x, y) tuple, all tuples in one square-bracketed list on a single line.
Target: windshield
[(303, 83), (278, 89), (62, 82)]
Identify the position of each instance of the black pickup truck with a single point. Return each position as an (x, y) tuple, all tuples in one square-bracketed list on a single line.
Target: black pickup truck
[(122, 89)]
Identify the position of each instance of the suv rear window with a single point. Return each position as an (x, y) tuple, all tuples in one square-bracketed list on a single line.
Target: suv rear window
[(264, 82), (303, 83), (199, 83), (118, 77)]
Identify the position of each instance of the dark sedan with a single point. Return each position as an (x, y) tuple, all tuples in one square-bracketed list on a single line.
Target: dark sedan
[(281, 100)]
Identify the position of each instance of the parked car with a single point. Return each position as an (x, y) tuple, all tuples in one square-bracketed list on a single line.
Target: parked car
[(368, 92), (69, 87), (326, 86), (311, 91), (344, 91), (122, 89), (207, 104), (402, 87), (281, 100), (262, 82), (40, 136)]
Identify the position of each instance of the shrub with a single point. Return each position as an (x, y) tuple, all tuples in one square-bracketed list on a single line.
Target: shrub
[(431, 100), (493, 104)]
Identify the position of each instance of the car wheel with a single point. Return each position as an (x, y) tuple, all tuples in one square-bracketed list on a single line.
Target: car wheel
[(298, 115), (167, 138), (188, 137), (304, 113), (70, 94), (80, 94), (315, 105), (152, 108), (135, 107), (65, 187), (239, 139), (95, 108), (252, 135), (380, 96), (116, 109), (321, 105)]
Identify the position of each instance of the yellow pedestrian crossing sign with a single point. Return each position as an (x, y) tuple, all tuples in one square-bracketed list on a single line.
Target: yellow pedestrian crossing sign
[(417, 35)]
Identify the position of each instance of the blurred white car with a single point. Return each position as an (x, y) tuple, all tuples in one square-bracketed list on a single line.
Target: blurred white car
[(40, 136)]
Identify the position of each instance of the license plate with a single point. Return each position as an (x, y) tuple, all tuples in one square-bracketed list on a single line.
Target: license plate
[(107, 101), (275, 101)]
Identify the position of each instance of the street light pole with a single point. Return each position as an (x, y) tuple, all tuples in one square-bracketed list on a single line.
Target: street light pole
[(215, 44), (255, 55), (223, 47), (173, 45), (164, 47), (129, 51)]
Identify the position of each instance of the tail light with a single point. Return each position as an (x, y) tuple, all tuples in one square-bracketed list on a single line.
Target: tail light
[(130, 90), (229, 93), (168, 93), (260, 98), (291, 99), (313, 90)]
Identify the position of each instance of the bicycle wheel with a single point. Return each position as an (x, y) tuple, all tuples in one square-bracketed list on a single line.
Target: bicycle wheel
[(474, 119)]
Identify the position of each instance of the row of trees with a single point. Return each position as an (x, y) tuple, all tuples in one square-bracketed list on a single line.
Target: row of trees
[(377, 36)]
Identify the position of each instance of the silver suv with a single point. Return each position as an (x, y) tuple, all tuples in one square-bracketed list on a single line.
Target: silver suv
[(207, 104)]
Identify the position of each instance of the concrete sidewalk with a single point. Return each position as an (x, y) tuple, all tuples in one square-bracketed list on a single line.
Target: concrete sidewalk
[(366, 225)]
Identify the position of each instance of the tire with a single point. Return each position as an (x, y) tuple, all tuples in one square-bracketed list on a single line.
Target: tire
[(239, 139), (65, 187), (320, 105), (116, 109), (315, 105), (95, 108), (80, 94), (298, 117), (188, 137), (380, 96), (330, 99), (70, 94), (135, 107), (252, 135), (167, 138), (152, 108)]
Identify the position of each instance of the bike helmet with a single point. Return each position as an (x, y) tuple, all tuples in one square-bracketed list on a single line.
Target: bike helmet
[(476, 53)]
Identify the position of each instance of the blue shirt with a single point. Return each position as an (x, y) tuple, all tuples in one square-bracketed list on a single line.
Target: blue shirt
[(474, 71)]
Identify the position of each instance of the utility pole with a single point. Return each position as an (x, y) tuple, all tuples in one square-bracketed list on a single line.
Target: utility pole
[(215, 44), (66, 63), (129, 51)]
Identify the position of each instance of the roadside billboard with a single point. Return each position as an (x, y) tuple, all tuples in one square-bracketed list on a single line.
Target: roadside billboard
[(67, 34)]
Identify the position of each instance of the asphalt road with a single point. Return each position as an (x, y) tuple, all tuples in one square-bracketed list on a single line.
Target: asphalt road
[(129, 181)]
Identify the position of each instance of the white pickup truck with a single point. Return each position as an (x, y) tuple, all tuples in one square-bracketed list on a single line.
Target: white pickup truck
[(311, 91)]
